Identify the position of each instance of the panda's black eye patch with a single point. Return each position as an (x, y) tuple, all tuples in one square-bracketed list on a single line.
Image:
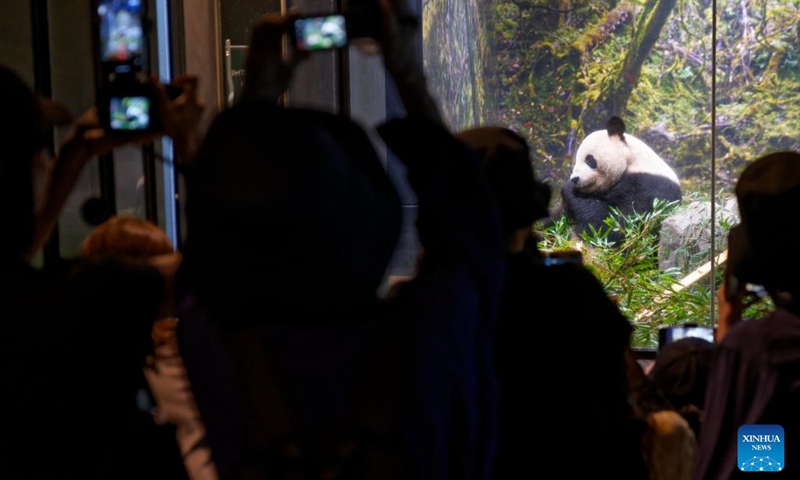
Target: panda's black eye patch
[(590, 161)]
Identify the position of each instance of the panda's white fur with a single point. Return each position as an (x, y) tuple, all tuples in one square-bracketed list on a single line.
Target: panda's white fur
[(615, 157), (615, 170)]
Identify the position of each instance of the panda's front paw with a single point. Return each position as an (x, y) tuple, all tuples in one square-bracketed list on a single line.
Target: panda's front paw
[(568, 192)]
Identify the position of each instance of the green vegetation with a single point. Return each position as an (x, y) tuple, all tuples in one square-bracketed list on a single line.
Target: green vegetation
[(554, 70), (649, 296), (562, 64)]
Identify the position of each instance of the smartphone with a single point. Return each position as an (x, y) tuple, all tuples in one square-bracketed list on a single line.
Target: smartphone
[(130, 113), (667, 335), (320, 32), (562, 257), (131, 104), (121, 35)]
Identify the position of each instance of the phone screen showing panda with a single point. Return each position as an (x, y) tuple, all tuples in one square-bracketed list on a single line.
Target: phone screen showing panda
[(121, 34), (130, 113), (320, 32)]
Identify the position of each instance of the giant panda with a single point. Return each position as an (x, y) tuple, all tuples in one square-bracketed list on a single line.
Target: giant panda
[(615, 169)]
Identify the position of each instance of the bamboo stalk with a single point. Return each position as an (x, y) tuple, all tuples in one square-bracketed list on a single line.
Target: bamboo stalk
[(685, 282)]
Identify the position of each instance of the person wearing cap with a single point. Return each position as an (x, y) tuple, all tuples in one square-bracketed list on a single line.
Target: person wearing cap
[(755, 374), (561, 303)]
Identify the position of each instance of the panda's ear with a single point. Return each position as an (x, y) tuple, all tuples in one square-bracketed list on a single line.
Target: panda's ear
[(615, 126)]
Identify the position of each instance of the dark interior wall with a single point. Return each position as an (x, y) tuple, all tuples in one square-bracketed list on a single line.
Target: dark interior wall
[(201, 56), (236, 16), (72, 53), (16, 40)]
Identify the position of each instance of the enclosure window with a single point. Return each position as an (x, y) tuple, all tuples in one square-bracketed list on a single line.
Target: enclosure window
[(556, 71)]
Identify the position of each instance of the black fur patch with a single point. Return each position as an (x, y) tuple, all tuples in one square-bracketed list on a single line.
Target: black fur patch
[(635, 192)]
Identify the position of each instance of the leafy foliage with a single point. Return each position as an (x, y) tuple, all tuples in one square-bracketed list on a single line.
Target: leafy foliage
[(544, 65), (649, 296)]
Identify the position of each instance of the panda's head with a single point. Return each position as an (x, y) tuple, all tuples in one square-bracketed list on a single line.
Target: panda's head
[(601, 160)]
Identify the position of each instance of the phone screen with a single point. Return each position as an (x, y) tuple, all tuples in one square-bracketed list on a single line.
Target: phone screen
[(562, 257), (320, 32), (121, 31), (670, 334), (130, 113)]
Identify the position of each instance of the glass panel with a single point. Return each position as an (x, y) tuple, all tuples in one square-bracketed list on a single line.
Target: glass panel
[(73, 84), (555, 75), (315, 82), (236, 16), (235, 60), (758, 89), (72, 228), (129, 181)]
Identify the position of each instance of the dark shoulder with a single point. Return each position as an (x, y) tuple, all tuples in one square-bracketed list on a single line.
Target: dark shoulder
[(567, 287), (570, 277), (769, 333), (327, 120)]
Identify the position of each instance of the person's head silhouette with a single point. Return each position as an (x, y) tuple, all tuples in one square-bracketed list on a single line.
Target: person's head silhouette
[(288, 205), (521, 198)]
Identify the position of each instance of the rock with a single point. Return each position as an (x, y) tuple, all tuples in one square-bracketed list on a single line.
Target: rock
[(685, 240)]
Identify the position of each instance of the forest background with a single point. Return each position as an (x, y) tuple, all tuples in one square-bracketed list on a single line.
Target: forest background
[(684, 77)]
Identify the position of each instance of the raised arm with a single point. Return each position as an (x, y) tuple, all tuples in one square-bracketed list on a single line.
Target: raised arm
[(88, 141), (84, 143), (269, 68), (400, 35)]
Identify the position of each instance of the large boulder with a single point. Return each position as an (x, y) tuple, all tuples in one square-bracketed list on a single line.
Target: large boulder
[(685, 241)]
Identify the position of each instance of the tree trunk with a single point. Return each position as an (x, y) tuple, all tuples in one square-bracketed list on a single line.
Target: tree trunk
[(614, 99)]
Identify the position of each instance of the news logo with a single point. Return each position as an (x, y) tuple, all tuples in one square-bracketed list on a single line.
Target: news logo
[(761, 448)]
